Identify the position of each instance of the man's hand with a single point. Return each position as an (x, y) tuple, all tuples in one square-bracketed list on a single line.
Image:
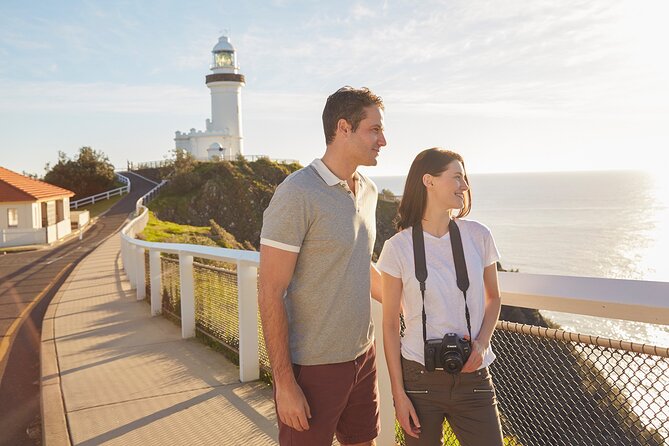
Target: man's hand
[(476, 358), (292, 406)]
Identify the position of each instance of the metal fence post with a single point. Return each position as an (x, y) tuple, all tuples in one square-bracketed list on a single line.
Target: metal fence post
[(247, 285), (187, 295), (140, 270), (386, 409), (156, 285)]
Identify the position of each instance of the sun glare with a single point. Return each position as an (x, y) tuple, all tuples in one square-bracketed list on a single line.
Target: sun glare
[(644, 24)]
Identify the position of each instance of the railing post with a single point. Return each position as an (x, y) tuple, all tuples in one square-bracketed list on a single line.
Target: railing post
[(140, 270), (130, 267), (386, 409), (156, 285), (247, 296), (187, 295)]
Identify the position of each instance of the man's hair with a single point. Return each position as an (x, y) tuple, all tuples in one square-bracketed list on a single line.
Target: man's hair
[(347, 103)]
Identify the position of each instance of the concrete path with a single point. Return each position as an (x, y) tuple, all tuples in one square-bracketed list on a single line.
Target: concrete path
[(28, 282), (112, 374)]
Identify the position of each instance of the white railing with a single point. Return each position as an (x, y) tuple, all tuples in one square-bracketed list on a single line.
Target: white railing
[(633, 300), (133, 252), (103, 195), (144, 199), (123, 179), (166, 163)]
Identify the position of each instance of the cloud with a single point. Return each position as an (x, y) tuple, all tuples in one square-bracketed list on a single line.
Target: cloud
[(101, 97), (534, 57)]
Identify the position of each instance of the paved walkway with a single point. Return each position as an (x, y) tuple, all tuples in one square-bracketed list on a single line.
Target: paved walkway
[(112, 374)]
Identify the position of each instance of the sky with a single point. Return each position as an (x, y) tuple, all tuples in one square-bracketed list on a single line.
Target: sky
[(511, 85)]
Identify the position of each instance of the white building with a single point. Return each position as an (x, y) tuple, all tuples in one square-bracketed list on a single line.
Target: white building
[(223, 135), (32, 212)]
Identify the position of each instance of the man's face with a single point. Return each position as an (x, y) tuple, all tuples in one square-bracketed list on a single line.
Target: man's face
[(366, 142)]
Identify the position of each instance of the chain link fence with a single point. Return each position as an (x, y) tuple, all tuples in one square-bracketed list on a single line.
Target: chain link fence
[(554, 388)]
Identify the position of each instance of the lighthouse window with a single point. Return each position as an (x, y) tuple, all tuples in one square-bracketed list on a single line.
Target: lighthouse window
[(223, 59)]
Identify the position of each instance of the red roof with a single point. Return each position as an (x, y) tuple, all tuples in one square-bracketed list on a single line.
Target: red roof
[(17, 187)]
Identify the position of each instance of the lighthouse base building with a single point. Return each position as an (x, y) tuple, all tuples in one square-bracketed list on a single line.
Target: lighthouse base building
[(222, 138)]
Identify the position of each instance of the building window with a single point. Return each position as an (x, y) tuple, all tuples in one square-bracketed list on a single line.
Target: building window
[(13, 218)]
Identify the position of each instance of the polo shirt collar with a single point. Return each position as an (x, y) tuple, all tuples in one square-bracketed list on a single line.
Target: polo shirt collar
[(330, 178)]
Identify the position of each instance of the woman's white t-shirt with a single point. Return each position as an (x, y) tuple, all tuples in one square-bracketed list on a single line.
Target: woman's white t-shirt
[(444, 302)]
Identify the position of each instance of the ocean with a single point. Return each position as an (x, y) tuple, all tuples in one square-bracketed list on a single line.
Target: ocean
[(611, 224)]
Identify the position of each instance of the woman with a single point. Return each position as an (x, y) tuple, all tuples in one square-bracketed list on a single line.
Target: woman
[(435, 193)]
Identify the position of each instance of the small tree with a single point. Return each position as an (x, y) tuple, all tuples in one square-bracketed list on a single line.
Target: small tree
[(88, 174)]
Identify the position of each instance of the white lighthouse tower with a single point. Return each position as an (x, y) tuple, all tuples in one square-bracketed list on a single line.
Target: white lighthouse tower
[(222, 138)]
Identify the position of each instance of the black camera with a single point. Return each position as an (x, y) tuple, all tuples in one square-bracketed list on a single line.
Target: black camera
[(450, 353)]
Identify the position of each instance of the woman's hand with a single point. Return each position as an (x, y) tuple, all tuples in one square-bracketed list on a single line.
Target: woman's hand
[(476, 358), (406, 415)]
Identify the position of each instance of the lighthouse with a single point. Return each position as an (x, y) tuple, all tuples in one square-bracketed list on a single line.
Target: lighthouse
[(222, 138)]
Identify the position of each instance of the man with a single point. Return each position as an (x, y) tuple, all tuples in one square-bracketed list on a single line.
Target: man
[(315, 278)]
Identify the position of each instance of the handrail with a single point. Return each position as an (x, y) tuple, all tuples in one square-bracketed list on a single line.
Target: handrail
[(250, 158), (133, 256), (593, 296), (148, 196), (103, 195)]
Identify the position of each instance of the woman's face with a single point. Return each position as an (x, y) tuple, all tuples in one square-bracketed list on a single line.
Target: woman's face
[(448, 189)]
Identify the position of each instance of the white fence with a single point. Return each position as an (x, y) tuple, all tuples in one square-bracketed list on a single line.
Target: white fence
[(103, 195), (37, 236), (166, 163), (633, 300), (22, 237)]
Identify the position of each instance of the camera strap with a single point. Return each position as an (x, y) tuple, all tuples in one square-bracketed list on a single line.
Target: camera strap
[(420, 267)]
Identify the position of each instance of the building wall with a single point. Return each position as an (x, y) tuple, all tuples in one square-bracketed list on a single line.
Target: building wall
[(29, 230), (197, 144), (25, 212), (226, 108), (63, 228)]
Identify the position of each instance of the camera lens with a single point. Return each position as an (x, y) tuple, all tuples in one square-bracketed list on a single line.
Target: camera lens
[(452, 362)]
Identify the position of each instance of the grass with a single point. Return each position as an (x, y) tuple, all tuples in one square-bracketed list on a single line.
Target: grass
[(99, 207), (15, 249), (449, 437), (160, 231)]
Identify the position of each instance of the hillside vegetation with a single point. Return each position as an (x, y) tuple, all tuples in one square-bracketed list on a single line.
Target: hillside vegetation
[(230, 196)]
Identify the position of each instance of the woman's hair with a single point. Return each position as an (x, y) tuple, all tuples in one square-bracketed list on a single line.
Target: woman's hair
[(414, 199)]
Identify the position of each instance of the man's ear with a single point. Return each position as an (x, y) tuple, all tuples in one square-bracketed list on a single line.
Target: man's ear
[(344, 127)]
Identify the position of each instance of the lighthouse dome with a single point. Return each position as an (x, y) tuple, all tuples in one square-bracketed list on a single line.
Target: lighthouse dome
[(223, 45)]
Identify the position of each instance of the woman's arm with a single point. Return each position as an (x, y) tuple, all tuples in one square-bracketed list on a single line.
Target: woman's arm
[(493, 305), (404, 410)]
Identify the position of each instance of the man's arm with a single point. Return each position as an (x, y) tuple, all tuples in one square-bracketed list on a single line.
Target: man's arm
[(376, 287), (276, 271)]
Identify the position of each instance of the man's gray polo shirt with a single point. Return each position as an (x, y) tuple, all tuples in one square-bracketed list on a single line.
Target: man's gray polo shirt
[(328, 301)]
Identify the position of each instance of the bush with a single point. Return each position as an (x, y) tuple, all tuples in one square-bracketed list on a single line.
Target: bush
[(88, 174)]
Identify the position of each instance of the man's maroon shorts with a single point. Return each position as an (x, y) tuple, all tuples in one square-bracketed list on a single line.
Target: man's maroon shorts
[(344, 400)]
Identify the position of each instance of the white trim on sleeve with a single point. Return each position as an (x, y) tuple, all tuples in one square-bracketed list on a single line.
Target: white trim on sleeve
[(279, 245)]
